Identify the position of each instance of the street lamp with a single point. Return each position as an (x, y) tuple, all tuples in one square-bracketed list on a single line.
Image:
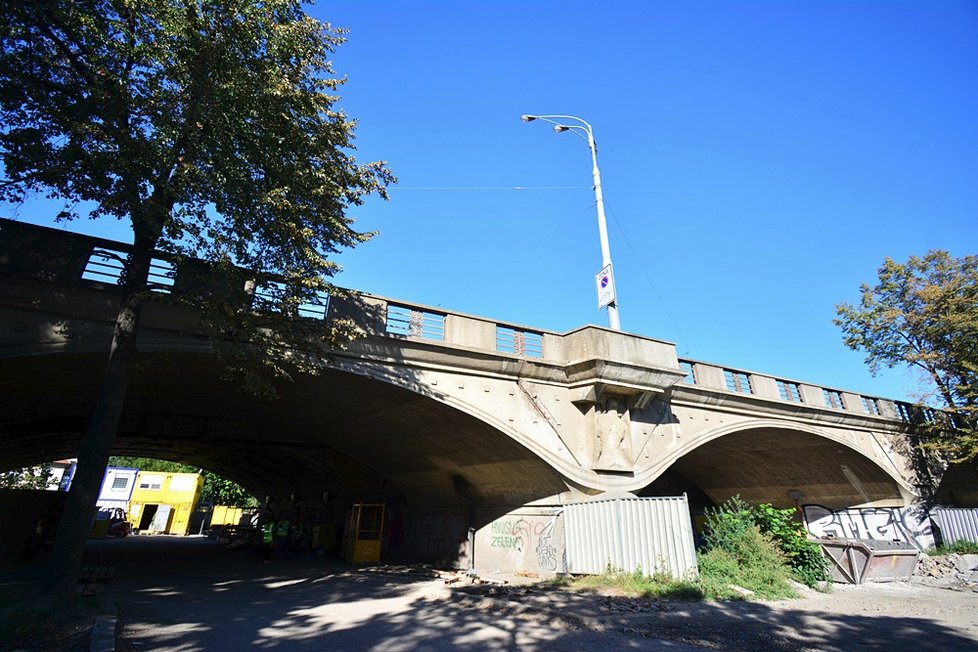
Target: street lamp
[(605, 278)]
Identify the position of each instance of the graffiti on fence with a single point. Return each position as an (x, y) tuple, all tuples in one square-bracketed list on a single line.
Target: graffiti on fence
[(882, 523)]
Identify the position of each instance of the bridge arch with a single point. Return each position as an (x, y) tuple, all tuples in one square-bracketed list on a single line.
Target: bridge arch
[(783, 463), (339, 431), (504, 421)]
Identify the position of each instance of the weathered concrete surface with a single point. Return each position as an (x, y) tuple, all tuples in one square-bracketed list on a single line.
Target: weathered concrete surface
[(602, 409), (455, 425)]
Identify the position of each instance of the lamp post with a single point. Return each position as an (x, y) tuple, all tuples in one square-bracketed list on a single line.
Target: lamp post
[(614, 321)]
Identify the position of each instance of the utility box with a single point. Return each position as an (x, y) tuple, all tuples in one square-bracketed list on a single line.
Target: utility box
[(855, 561), (364, 534)]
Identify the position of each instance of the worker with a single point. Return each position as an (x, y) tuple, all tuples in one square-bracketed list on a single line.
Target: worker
[(267, 540), (282, 527)]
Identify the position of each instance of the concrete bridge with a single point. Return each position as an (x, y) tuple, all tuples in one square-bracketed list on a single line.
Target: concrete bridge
[(451, 420)]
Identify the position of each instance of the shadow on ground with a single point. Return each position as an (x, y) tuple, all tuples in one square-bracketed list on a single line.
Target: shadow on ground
[(736, 625), (191, 594)]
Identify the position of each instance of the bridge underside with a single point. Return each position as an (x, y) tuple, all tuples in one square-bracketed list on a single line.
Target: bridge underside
[(765, 464), (334, 437)]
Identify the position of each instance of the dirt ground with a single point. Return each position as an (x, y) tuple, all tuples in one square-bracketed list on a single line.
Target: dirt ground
[(936, 610), (873, 616), (195, 595)]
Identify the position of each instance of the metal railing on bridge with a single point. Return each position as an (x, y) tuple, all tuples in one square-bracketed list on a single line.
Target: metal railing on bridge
[(74, 259), (739, 381), (86, 261)]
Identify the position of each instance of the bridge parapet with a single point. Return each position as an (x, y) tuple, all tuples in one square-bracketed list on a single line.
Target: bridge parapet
[(746, 383), (593, 359), (73, 259), (589, 355)]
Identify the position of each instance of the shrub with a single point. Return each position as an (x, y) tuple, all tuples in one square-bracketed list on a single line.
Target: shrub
[(805, 557), (739, 553)]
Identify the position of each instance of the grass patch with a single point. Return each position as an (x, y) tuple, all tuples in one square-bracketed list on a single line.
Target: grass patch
[(719, 572), (734, 527), (635, 585), (959, 547)]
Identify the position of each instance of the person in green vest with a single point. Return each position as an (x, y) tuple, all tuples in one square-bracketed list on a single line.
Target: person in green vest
[(267, 540), (281, 538)]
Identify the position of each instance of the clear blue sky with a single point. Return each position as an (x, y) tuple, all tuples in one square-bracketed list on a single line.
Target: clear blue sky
[(759, 160)]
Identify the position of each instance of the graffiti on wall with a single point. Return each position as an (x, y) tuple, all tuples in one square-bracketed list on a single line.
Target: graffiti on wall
[(507, 534), (523, 535), (882, 523)]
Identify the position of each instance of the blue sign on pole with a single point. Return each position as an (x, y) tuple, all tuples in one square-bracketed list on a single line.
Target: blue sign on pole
[(605, 282)]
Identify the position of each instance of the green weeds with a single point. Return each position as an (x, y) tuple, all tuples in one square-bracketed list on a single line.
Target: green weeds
[(960, 547)]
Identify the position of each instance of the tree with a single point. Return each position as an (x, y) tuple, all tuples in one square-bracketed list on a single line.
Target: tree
[(31, 477), (924, 313), (221, 491), (211, 126)]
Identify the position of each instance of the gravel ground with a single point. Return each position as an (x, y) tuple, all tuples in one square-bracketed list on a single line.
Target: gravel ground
[(874, 616), (196, 596)]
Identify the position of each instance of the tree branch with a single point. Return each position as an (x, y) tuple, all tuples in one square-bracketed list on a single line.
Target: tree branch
[(79, 66)]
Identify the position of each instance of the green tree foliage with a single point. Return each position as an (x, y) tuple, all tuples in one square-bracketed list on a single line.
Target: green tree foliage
[(221, 491), (217, 490), (738, 528), (803, 555), (211, 127), (31, 477), (924, 313)]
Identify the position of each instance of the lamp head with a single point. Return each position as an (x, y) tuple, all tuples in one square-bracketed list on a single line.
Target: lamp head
[(560, 128), (528, 118)]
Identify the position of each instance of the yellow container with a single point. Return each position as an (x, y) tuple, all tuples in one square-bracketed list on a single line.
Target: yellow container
[(224, 515), (366, 552), (163, 502)]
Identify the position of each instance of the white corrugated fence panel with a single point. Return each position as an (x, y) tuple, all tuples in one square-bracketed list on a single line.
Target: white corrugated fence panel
[(957, 524), (654, 535), (590, 529)]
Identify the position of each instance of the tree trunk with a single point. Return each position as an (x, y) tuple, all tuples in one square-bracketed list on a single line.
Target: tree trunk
[(65, 564)]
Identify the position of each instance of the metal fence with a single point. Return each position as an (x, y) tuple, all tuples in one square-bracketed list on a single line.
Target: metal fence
[(955, 524), (654, 535)]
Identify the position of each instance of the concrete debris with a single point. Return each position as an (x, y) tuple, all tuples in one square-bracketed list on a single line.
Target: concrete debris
[(966, 563), (465, 577), (951, 571)]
